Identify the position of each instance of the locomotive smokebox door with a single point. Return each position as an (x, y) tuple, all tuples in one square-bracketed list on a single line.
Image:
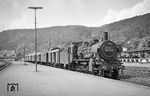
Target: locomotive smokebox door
[(108, 50)]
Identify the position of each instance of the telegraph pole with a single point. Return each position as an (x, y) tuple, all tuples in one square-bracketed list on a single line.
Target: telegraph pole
[(24, 36), (49, 41)]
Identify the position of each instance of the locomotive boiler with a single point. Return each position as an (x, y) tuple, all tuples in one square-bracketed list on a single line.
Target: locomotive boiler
[(99, 58)]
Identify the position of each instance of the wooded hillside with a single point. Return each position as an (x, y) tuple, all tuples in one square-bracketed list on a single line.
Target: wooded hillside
[(132, 33)]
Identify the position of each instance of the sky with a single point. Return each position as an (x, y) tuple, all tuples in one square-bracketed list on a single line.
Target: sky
[(14, 14)]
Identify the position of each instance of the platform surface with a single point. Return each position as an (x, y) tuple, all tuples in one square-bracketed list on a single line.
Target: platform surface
[(49, 81)]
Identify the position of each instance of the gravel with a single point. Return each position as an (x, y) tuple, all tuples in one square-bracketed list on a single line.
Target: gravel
[(136, 75)]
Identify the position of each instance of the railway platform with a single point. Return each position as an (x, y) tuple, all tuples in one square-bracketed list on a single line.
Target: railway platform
[(22, 80)]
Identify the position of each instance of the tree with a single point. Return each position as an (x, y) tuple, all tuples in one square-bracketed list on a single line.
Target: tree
[(0, 48)]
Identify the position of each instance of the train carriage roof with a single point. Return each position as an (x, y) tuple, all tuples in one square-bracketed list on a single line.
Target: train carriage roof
[(38, 53), (55, 49)]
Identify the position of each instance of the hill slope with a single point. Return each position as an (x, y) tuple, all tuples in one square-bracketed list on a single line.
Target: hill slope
[(129, 32)]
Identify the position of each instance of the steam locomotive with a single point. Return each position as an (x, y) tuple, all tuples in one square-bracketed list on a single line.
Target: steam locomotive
[(98, 58)]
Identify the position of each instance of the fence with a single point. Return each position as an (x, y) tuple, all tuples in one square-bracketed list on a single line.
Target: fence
[(135, 60)]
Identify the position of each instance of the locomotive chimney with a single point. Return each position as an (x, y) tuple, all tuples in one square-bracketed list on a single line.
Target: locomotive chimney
[(105, 38)]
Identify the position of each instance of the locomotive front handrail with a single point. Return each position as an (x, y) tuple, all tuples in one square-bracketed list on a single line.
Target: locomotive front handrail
[(82, 60)]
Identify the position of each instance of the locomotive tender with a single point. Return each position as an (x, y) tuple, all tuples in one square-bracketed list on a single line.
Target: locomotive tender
[(99, 58)]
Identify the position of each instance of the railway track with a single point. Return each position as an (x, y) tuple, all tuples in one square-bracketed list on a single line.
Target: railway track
[(4, 65)]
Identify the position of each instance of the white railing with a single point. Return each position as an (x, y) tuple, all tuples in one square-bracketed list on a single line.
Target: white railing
[(135, 60)]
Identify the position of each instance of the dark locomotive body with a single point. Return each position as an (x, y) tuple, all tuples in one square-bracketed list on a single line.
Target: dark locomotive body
[(99, 58)]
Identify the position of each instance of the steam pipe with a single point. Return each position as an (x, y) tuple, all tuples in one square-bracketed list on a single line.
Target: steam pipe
[(105, 38)]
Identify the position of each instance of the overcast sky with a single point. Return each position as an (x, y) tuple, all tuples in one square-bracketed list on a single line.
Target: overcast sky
[(15, 14)]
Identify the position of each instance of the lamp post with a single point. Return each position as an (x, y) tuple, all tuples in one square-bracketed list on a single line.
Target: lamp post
[(24, 36), (35, 8), (49, 48)]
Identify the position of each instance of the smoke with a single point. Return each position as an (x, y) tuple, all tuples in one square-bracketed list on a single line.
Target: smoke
[(141, 8)]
